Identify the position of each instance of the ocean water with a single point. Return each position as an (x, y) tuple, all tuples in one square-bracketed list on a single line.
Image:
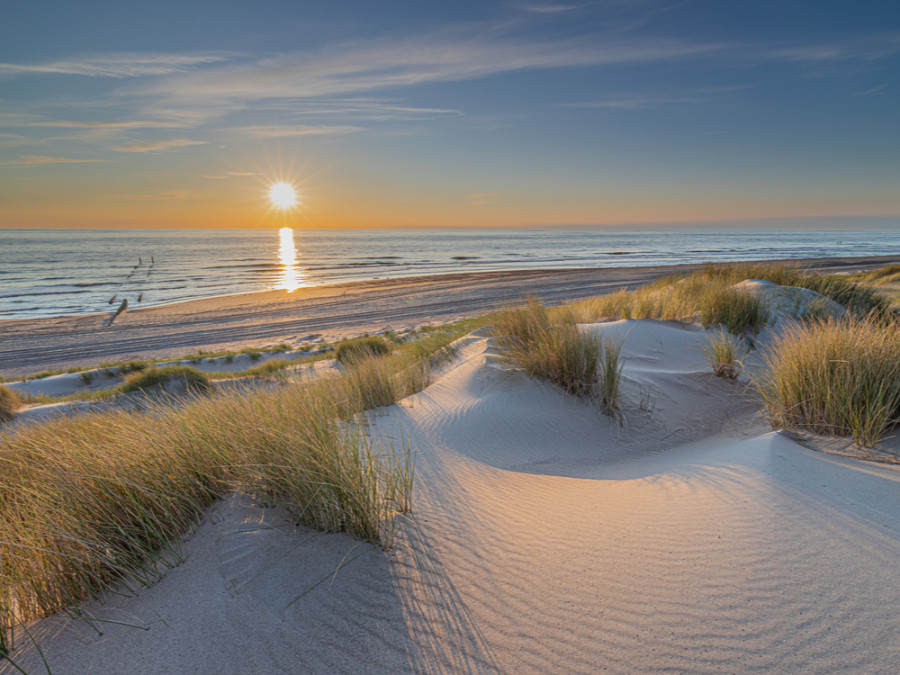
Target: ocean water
[(46, 273)]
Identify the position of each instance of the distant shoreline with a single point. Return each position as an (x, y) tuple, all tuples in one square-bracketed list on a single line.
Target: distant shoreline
[(327, 312)]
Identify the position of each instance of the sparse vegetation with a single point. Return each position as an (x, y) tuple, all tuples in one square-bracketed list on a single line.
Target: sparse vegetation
[(271, 368), (726, 354), (150, 378), (548, 344), (611, 376), (835, 377), (356, 349), (9, 403), (104, 496), (739, 312), (707, 296)]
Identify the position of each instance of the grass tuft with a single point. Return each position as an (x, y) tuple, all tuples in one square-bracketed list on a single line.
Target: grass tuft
[(9, 403), (835, 377), (192, 379), (611, 376), (725, 353), (548, 344), (357, 349), (739, 312)]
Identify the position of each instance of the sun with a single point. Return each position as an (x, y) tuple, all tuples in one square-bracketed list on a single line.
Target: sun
[(283, 195)]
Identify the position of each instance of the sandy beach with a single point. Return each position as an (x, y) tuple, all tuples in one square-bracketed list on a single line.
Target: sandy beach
[(326, 312), (545, 537)]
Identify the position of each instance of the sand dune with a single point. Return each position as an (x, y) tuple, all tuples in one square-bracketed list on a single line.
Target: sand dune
[(545, 538)]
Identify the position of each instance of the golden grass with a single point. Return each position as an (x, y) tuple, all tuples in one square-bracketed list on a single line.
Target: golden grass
[(707, 297), (189, 379), (725, 353), (835, 377), (88, 500), (546, 343), (355, 349), (9, 403)]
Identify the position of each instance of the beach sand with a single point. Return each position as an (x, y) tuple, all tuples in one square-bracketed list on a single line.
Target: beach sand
[(326, 312), (685, 536), (545, 537)]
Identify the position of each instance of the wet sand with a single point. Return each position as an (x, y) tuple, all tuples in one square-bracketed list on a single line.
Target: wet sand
[(325, 312)]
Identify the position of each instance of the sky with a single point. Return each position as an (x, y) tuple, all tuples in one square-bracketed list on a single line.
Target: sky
[(531, 113)]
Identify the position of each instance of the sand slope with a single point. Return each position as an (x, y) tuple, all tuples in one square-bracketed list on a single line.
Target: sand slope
[(545, 538)]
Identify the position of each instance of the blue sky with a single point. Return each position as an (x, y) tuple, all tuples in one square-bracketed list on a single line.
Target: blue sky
[(409, 114)]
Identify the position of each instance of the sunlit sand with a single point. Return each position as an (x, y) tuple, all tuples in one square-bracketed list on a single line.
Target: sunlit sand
[(545, 537)]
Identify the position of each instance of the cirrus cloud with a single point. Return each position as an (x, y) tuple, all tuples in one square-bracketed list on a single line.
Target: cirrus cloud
[(154, 146)]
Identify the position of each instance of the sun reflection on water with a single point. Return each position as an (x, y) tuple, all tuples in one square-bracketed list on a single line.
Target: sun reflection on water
[(291, 276)]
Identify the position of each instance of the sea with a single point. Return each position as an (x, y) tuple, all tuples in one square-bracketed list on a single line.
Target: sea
[(58, 272)]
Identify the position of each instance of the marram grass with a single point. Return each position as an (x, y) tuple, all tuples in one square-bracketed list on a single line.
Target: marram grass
[(725, 353), (190, 379), (9, 403), (88, 500), (356, 349), (547, 343), (835, 377), (707, 297)]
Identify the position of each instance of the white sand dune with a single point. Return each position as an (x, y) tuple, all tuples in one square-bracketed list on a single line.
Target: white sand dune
[(545, 538)]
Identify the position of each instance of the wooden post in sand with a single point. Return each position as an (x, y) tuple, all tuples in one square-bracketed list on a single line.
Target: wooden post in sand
[(122, 308)]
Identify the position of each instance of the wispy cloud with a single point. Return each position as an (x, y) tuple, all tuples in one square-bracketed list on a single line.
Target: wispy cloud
[(870, 47), (869, 92), (114, 65), (545, 7), (154, 146), (87, 124), (234, 174), (157, 196), (653, 100), (372, 109), (41, 160), (362, 68), (284, 131)]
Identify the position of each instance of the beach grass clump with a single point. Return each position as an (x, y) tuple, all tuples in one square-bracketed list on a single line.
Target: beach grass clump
[(357, 349), (707, 296), (186, 377), (835, 377), (725, 353), (889, 274), (551, 348), (9, 403), (271, 368), (611, 376), (738, 311)]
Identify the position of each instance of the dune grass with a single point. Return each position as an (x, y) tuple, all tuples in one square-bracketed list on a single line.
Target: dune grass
[(885, 279), (706, 296), (546, 343), (9, 403), (101, 497), (835, 377), (355, 349), (725, 353), (191, 379), (611, 376)]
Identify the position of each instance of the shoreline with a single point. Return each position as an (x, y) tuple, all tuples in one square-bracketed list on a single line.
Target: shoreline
[(328, 312)]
